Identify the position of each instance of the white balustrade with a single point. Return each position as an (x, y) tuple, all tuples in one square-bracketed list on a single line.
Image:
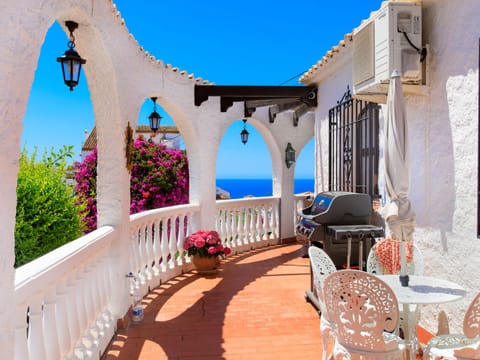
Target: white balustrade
[(249, 223), (62, 298), (157, 244), (54, 296)]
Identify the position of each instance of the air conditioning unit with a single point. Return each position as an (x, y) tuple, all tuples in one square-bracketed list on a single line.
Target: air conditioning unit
[(390, 39)]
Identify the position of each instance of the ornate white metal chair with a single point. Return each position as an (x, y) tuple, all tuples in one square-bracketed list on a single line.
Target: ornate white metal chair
[(365, 312), (458, 346), (322, 266)]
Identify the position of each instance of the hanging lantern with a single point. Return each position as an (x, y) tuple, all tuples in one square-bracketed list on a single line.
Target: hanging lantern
[(244, 134), (71, 61), (154, 118)]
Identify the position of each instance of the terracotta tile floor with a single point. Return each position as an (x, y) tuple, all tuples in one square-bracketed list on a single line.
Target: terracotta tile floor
[(253, 308)]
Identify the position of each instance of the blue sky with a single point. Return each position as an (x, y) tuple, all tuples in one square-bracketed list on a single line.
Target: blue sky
[(228, 43)]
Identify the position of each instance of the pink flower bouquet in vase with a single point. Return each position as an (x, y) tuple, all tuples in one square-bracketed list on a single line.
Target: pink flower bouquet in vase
[(205, 248)]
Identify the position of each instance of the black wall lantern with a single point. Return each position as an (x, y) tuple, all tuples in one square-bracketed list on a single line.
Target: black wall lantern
[(289, 155), (154, 117), (71, 62), (244, 134)]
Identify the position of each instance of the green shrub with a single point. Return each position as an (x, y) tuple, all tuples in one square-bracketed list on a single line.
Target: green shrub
[(47, 216)]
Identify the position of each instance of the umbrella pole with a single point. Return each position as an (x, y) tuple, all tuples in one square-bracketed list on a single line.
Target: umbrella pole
[(403, 260)]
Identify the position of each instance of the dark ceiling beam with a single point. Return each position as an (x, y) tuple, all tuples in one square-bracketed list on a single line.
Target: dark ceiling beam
[(298, 111), (278, 108), (233, 93)]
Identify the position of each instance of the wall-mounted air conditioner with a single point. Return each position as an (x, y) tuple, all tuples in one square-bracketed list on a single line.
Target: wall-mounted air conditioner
[(390, 39)]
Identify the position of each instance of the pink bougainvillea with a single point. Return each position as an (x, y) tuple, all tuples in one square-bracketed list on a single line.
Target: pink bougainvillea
[(159, 178)]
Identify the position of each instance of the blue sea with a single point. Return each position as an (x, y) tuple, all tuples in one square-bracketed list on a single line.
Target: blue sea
[(239, 188)]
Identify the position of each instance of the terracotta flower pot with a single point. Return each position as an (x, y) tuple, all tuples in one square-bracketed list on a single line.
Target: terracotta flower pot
[(204, 264)]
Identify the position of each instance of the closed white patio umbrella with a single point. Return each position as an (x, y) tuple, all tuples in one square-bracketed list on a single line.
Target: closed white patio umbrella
[(398, 213)]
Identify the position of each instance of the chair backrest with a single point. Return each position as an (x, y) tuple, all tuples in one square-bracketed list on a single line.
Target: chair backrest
[(362, 307), (322, 266), (471, 323), (414, 268)]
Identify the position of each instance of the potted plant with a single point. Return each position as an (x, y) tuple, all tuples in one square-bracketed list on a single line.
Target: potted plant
[(205, 247)]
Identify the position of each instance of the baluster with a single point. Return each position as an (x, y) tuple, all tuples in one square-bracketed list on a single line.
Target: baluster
[(51, 325), (172, 242), (73, 317), (266, 226), (156, 247), (104, 284), (270, 221), (36, 341), (263, 209), (188, 231), (72, 309), (21, 328), (135, 249), (98, 324), (238, 227), (228, 227), (143, 276), (261, 222), (149, 251), (164, 244), (85, 343), (92, 332), (225, 226), (249, 224), (65, 340), (244, 221), (275, 220), (258, 224), (181, 238), (252, 225)]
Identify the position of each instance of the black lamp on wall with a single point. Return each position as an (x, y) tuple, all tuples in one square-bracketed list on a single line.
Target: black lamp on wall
[(154, 118), (289, 155), (71, 62), (244, 134)]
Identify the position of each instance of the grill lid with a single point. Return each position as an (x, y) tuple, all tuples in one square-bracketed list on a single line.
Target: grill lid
[(339, 207)]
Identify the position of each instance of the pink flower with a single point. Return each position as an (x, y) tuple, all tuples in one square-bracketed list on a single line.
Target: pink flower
[(212, 238), (205, 243), (199, 242), (227, 251)]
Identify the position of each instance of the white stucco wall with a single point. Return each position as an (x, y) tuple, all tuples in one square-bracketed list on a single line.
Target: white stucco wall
[(443, 128)]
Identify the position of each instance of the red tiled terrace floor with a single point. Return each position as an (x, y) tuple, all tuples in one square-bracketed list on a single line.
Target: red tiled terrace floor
[(253, 308)]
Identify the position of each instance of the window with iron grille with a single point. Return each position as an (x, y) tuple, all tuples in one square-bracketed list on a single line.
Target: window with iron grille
[(353, 146)]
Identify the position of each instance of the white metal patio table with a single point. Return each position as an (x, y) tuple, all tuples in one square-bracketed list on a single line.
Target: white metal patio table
[(421, 290)]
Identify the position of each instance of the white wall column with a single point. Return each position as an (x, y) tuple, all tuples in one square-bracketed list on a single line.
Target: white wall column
[(287, 202), (202, 154), (20, 48)]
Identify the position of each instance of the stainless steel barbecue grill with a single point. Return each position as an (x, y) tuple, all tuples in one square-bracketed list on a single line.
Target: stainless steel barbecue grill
[(339, 222)]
